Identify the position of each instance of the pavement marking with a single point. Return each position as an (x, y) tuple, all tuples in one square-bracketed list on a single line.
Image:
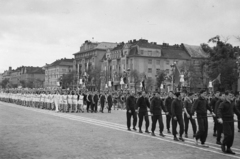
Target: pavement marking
[(120, 128)]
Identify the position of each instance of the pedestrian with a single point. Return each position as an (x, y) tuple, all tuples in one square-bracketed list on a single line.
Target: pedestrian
[(168, 103), (131, 111), (225, 115), (143, 105), (212, 104), (110, 102), (201, 106), (176, 108), (187, 107), (156, 110)]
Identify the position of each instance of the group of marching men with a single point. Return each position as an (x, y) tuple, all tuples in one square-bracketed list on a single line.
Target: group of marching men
[(64, 100), (179, 107), (182, 108)]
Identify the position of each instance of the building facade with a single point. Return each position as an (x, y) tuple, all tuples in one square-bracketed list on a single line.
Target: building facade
[(55, 70), (88, 60), (148, 59)]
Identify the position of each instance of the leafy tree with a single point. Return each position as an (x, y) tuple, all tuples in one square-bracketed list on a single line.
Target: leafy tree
[(68, 80), (4, 83), (23, 83), (222, 61), (160, 78), (136, 79), (149, 84)]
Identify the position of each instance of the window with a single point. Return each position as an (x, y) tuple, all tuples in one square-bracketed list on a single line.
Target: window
[(158, 62), (167, 62), (150, 61), (149, 53), (157, 70), (149, 70)]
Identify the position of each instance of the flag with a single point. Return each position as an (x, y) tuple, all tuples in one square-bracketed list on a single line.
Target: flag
[(176, 75), (218, 78)]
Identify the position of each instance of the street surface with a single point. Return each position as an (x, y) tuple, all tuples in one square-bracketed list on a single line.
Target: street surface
[(34, 133)]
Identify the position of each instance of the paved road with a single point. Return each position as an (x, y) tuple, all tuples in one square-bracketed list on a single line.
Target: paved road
[(34, 133)]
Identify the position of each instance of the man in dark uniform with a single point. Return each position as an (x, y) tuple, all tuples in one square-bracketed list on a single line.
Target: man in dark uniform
[(167, 103), (156, 111), (102, 101), (95, 102), (212, 104), (187, 106), (225, 115), (110, 102), (89, 101), (219, 126), (176, 108), (131, 112), (143, 105), (237, 101), (201, 106)]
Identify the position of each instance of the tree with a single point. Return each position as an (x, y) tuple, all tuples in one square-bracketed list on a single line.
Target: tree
[(4, 83), (149, 84), (222, 61), (160, 78), (68, 80), (95, 77), (136, 79), (23, 83)]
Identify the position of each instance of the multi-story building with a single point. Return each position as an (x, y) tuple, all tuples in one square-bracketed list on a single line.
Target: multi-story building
[(146, 58), (89, 58), (55, 70), (25, 76), (1, 77)]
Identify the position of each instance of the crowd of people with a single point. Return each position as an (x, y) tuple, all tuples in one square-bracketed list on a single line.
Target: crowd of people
[(180, 109)]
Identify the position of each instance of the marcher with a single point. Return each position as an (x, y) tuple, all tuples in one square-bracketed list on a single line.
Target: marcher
[(156, 110), (131, 112), (225, 115), (201, 106)]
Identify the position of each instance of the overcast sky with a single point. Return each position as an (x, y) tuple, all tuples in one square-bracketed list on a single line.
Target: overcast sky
[(36, 32)]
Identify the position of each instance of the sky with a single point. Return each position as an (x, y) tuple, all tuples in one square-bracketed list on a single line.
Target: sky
[(36, 32)]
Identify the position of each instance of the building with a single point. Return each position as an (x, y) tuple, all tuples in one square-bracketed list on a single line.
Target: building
[(25, 76), (1, 77), (55, 70), (88, 60), (200, 79), (148, 59)]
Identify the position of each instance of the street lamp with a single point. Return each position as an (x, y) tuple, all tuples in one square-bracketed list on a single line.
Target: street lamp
[(141, 85), (173, 67), (106, 86), (210, 86)]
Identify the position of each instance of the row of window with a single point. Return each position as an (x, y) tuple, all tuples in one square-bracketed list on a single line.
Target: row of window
[(86, 54), (157, 70), (150, 61)]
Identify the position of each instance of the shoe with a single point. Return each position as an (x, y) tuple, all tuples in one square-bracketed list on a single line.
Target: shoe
[(153, 134), (147, 131), (180, 138), (129, 129), (140, 131), (186, 135), (218, 143), (134, 129), (229, 151), (194, 135), (175, 139), (214, 134), (239, 130), (161, 134), (203, 145), (223, 148), (169, 131)]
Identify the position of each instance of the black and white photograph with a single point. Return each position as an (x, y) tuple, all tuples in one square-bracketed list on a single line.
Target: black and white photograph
[(119, 79)]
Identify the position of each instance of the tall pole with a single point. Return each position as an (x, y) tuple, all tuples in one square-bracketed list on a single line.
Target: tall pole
[(77, 76)]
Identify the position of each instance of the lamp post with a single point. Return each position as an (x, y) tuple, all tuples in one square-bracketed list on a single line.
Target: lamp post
[(173, 67), (161, 87), (141, 86), (109, 84)]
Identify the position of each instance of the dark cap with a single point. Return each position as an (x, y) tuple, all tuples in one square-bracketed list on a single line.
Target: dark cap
[(177, 94), (202, 91)]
